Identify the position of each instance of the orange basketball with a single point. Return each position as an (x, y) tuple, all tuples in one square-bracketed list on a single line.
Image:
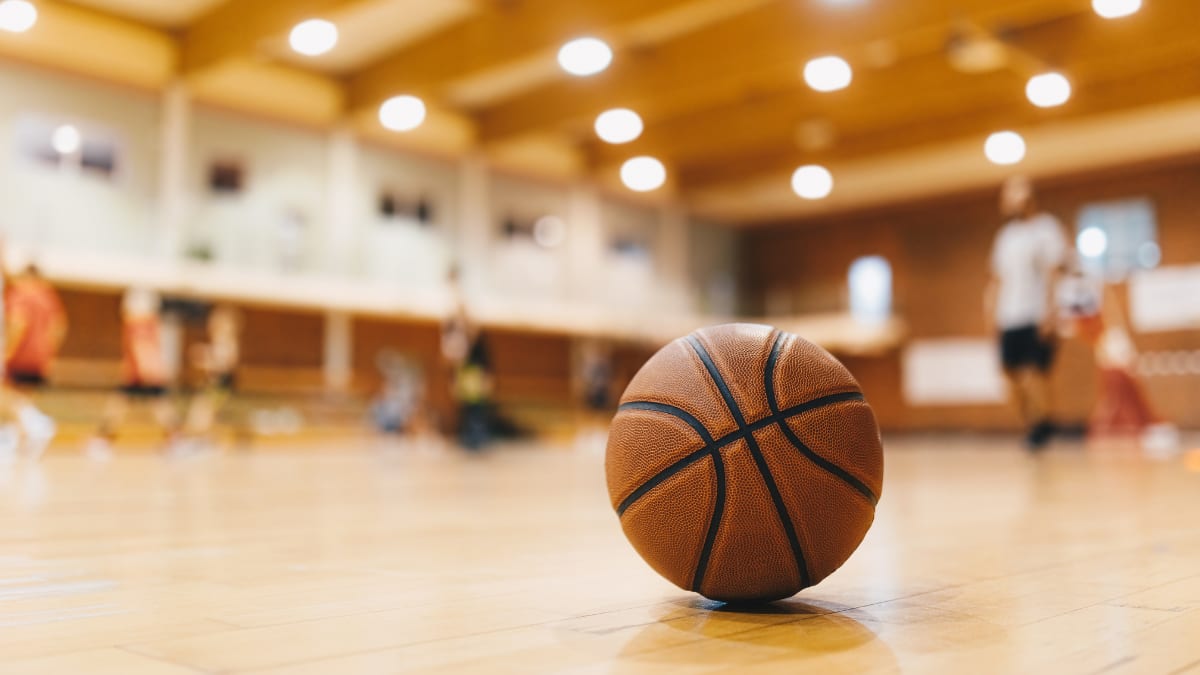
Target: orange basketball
[(744, 463)]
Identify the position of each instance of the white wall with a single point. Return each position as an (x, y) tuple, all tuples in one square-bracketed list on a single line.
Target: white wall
[(277, 223), (46, 207), (309, 208)]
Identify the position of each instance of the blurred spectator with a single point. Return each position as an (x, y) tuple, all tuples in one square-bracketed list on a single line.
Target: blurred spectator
[(465, 350), (217, 360), (1027, 259), (144, 373), (397, 406), (35, 325)]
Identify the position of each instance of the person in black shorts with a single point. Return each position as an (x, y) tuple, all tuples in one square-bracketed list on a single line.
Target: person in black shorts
[(1028, 256)]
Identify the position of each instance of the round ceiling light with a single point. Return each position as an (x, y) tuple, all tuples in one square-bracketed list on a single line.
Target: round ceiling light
[(17, 16), (828, 73), (618, 126), (1048, 90), (1115, 9), (1005, 148), (313, 37), (402, 113), (643, 174), (585, 56), (812, 182)]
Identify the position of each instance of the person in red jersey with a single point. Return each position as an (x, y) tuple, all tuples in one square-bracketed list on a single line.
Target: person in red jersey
[(144, 373)]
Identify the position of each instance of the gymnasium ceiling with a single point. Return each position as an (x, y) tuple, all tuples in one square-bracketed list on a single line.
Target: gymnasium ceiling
[(718, 83)]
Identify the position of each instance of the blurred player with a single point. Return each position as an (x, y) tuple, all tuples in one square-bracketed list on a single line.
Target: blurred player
[(1028, 256), (144, 374), (218, 361), (35, 326), (465, 351)]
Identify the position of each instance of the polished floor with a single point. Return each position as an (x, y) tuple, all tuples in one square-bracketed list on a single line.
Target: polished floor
[(389, 558)]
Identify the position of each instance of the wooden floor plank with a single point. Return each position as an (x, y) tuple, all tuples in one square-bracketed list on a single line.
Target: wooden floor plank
[(366, 558)]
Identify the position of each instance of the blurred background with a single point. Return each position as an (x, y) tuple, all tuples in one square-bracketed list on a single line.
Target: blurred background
[(410, 210)]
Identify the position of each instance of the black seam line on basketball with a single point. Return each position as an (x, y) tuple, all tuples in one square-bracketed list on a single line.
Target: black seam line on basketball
[(675, 412), (764, 471), (721, 442), (785, 518), (715, 375), (828, 466), (714, 523)]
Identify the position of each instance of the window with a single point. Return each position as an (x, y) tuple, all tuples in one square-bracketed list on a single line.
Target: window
[(871, 289), (54, 143), (226, 177), (394, 207), (1117, 238)]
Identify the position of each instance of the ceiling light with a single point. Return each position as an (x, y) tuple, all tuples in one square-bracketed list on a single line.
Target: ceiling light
[(812, 182), (585, 56), (402, 113), (619, 125), (313, 37), (66, 140), (1092, 242), (1005, 147), (1115, 9), (17, 16), (828, 73), (643, 174), (1048, 90)]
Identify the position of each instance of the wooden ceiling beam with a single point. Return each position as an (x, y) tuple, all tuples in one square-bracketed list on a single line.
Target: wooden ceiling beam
[(760, 50), (970, 121), (237, 27), (499, 34)]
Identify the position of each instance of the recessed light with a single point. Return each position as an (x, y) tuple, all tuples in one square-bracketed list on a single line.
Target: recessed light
[(585, 56), (1092, 242), (1115, 9), (1048, 90), (619, 125), (812, 182), (828, 73), (313, 37), (17, 16), (643, 174), (1005, 148), (402, 113)]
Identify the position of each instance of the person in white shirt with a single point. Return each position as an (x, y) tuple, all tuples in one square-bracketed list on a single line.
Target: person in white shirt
[(1028, 256)]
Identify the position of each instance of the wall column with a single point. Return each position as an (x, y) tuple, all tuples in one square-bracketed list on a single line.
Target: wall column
[(174, 156), (475, 223), (338, 359), (341, 215), (587, 245), (673, 257)]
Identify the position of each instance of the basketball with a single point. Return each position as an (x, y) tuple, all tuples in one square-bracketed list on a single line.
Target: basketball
[(744, 463)]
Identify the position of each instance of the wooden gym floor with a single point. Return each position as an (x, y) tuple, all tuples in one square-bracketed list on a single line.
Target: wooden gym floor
[(371, 558)]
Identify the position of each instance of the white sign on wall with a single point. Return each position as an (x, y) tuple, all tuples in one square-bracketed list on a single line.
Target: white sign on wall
[(1165, 299), (953, 371)]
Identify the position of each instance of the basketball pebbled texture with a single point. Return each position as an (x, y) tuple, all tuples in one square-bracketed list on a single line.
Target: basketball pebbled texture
[(744, 463)]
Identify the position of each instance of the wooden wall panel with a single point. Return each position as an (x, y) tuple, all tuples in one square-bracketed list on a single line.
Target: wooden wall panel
[(939, 254)]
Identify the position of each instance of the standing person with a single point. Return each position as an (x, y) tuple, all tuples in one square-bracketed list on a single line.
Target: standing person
[(465, 351), (144, 374), (1028, 256), (218, 361), (35, 327)]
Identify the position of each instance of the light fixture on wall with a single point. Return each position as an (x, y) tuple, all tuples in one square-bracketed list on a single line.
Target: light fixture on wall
[(619, 125), (1005, 148), (313, 37), (585, 56), (17, 16), (812, 182), (828, 73), (66, 140), (402, 113), (643, 174), (1115, 9), (1048, 90)]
